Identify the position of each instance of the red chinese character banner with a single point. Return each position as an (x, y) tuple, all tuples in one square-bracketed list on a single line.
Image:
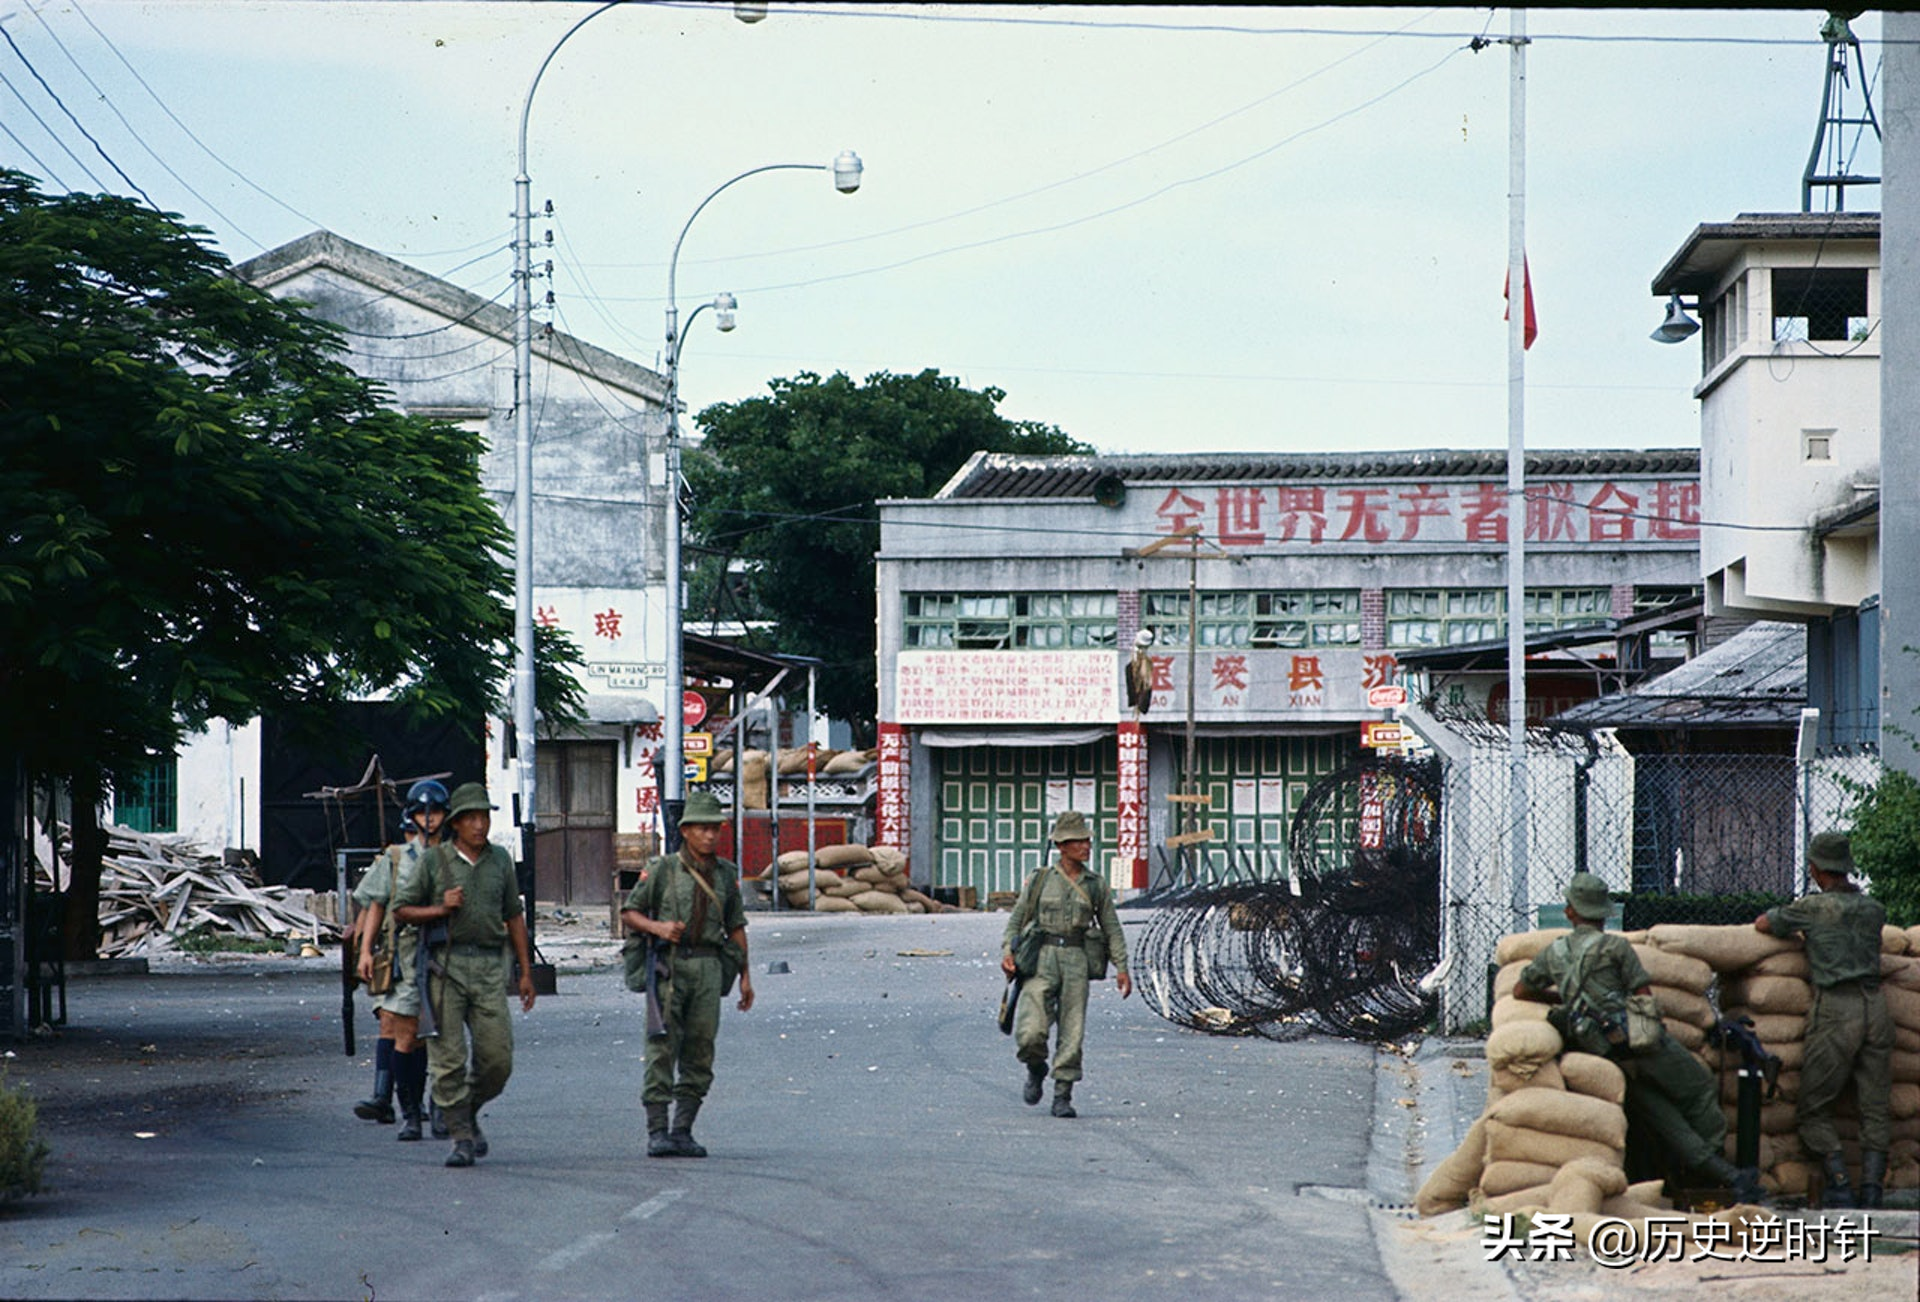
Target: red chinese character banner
[(1130, 867), (892, 823), (1554, 511)]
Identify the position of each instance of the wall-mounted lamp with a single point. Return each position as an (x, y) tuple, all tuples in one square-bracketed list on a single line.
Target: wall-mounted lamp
[(1678, 327)]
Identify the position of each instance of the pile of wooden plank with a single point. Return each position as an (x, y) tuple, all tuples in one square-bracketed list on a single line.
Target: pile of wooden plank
[(154, 886)]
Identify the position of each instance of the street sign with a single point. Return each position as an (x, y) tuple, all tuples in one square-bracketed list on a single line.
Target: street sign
[(693, 707), (696, 743), (1378, 734), (1388, 697), (697, 769)]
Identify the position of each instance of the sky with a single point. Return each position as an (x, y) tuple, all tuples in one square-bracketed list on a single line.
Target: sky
[(1243, 229)]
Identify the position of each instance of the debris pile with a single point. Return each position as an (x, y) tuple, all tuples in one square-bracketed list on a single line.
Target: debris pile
[(155, 886)]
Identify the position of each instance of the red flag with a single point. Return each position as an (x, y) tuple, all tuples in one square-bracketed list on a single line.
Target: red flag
[(1526, 283)]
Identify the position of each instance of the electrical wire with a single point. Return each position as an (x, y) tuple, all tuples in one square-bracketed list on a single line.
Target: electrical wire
[(78, 125), (51, 133)]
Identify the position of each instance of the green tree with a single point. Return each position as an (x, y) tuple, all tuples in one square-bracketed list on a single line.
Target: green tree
[(789, 482), (204, 512), (1886, 844)]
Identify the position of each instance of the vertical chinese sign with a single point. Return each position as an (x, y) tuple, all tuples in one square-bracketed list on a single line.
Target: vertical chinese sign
[(1130, 868), (891, 824)]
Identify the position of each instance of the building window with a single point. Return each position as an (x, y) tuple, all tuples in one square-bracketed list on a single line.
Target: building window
[(1724, 323), (1648, 600), (151, 801), (1816, 445), (1820, 303), (1018, 621), (1456, 616), (1257, 619)]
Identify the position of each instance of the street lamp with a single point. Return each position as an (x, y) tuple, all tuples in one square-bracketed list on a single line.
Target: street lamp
[(846, 169)]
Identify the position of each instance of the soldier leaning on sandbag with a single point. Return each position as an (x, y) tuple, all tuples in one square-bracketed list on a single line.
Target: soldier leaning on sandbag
[(691, 902), (1849, 1032), (1670, 1095), (1071, 911)]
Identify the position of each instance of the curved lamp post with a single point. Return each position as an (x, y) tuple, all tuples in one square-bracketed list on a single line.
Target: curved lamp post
[(846, 169)]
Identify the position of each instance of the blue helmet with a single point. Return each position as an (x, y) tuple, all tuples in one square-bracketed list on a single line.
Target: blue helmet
[(427, 794)]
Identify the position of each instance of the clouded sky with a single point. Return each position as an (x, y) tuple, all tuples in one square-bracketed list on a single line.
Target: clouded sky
[(1247, 229)]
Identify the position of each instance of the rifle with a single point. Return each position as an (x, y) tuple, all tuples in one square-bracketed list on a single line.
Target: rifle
[(1009, 1001), (656, 1015), (1756, 1065), (433, 933)]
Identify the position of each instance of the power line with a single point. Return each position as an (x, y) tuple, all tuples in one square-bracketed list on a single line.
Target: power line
[(51, 134), (20, 54)]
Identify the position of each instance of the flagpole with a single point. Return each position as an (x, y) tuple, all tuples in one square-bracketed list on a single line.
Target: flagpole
[(1518, 319)]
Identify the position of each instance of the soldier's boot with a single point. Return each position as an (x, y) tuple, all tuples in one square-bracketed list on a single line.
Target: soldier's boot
[(1063, 1099), (1036, 1076), (410, 1083), (460, 1124), (681, 1136), (437, 1121), (1744, 1181), (380, 1106), (479, 1139), (658, 1145), (1873, 1180), (1839, 1190)]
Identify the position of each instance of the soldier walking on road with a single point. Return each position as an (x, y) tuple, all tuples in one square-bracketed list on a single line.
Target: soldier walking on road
[(1849, 1032), (1072, 909), (466, 901), (400, 1060), (689, 902)]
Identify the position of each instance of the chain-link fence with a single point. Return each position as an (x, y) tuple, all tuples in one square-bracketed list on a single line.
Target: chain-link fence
[(1401, 876)]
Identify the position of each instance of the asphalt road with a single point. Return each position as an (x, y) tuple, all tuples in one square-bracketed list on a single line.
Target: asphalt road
[(867, 1134)]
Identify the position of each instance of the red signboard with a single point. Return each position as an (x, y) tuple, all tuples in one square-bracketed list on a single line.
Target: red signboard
[(693, 708)]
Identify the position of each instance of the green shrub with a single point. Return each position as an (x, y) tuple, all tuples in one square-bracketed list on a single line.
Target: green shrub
[(203, 939), (21, 1151), (1886, 844)]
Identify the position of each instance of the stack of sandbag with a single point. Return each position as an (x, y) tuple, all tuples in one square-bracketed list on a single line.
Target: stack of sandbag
[(1680, 986), (852, 878), (755, 765), (1765, 979)]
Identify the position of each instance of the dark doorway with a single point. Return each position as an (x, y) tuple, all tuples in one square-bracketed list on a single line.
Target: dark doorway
[(575, 800), (298, 835)]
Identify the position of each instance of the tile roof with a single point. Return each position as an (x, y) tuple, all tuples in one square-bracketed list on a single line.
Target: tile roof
[(1757, 677)]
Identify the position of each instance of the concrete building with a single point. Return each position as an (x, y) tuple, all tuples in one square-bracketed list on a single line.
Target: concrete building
[(1790, 446), (444, 352), (1010, 600)]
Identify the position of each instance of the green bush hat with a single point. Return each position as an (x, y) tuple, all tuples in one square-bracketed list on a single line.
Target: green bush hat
[(1587, 896), (467, 797), (703, 807), (1831, 852), (1071, 826)]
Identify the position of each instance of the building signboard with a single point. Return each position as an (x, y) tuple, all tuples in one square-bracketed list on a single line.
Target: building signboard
[(1029, 687)]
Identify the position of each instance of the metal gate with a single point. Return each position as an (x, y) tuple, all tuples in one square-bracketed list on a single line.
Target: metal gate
[(998, 802)]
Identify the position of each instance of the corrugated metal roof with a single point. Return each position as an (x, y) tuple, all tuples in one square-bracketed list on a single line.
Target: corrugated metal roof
[(1005, 475), (1756, 677)]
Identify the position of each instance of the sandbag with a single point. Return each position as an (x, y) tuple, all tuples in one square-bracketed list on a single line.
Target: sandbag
[(797, 881), (914, 906), (1594, 1076), (792, 760), (1522, 1046), (879, 902), (1724, 949), (1903, 1100), (871, 873), (1894, 941), (1788, 1083), (1905, 1041), (1648, 1193), (1769, 994), (1901, 970), (1905, 1066), (1680, 971), (1690, 1036), (1505, 1177), (754, 767), (1507, 1143), (1903, 1175), (1522, 947), (885, 856), (1793, 963), (1684, 1006), (1520, 1201), (1448, 1185), (849, 856), (1903, 1006), (1774, 1029), (1913, 939), (1506, 979), (848, 761), (1575, 1190), (926, 902), (1558, 1112), (1791, 1178), (793, 861), (834, 904), (1777, 1118), (1508, 1079), (846, 890), (1510, 1010)]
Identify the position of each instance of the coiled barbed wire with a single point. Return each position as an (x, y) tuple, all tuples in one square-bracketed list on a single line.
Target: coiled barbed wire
[(1340, 947)]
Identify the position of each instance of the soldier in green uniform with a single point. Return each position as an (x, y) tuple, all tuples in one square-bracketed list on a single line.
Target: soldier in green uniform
[(1849, 1033), (1671, 1097), (1073, 909), (691, 902), (470, 887), (400, 1060)]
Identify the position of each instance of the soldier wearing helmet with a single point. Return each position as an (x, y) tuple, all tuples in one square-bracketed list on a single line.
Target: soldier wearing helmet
[(399, 1059)]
